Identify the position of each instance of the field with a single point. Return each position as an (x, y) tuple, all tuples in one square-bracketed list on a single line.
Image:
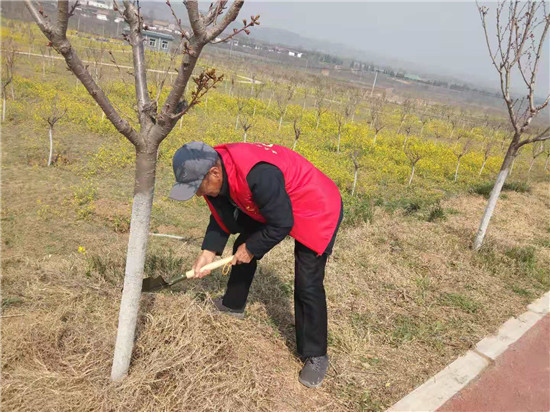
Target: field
[(406, 294)]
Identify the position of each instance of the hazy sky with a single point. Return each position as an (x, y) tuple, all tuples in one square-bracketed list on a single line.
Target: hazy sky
[(443, 37)]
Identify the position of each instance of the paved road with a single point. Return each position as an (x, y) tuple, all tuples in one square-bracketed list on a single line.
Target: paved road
[(518, 381)]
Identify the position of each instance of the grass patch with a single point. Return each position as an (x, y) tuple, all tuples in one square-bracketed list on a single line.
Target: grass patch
[(484, 189), (459, 301), (357, 209)]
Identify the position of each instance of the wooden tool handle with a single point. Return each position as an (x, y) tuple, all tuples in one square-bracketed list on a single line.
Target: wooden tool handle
[(210, 266)]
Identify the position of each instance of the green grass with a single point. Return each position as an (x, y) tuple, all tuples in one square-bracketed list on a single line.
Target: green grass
[(484, 189), (459, 301)]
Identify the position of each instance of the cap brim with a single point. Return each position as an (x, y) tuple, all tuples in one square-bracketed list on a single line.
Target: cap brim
[(184, 191)]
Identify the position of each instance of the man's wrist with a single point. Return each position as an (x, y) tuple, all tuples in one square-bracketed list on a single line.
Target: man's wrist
[(206, 252)]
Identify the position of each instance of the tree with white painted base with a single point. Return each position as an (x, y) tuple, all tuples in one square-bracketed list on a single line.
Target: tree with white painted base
[(355, 156), (8, 60), (414, 154), (155, 121), (297, 133), (55, 115), (521, 32)]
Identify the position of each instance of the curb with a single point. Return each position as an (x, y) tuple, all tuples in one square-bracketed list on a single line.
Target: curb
[(437, 390)]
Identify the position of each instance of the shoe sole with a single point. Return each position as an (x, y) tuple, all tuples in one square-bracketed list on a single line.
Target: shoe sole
[(309, 384)]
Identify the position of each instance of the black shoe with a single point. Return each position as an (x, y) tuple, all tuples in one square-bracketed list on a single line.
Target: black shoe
[(314, 370), (218, 304)]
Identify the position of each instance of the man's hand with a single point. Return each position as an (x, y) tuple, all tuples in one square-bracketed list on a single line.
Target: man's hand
[(204, 258), (242, 255)]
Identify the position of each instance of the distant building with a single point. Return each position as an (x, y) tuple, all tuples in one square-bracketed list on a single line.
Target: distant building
[(157, 41), (414, 77), (100, 4)]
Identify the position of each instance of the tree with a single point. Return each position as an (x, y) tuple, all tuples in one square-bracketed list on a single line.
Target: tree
[(536, 150), (460, 152), (355, 156), (405, 110), (54, 116), (377, 106), (547, 153), (241, 103), (486, 154), (297, 133), (521, 30), (413, 153), (246, 124), (155, 122), (320, 106), (8, 57), (340, 116), (283, 99)]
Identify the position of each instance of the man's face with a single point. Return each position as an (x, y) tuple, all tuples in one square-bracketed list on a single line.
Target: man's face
[(212, 183)]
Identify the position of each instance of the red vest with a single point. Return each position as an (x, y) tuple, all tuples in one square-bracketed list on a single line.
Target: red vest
[(315, 198)]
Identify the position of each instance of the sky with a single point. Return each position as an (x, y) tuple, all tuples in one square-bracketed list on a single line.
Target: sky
[(442, 37)]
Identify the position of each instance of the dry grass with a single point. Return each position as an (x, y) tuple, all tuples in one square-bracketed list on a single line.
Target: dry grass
[(406, 296)]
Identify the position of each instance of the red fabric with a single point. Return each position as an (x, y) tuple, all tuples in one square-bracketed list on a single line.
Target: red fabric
[(315, 198)]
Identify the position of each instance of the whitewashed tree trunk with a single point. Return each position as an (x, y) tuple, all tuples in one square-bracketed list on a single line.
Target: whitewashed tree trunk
[(295, 142), (412, 175), (4, 108), (375, 136), (237, 122), (280, 122), (181, 122), (338, 147), (244, 137), (318, 119), (135, 262), (51, 146), (482, 166), (493, 197), (456, 171), (354, 182), (421, 131), (512, 166)]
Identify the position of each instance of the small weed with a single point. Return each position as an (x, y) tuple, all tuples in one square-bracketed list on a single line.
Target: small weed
[(436, 213), (459, 301), (413, 207), (287, 289), (11, 301), (405, 329), (525, 256), (522, 292)]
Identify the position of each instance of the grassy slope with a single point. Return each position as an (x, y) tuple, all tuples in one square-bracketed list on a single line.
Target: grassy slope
[(405, 295)]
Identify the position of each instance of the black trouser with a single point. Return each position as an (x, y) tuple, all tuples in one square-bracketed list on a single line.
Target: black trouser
[(310, 304)]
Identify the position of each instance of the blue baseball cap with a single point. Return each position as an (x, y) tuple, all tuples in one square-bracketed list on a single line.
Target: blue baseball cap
[(191, 163)]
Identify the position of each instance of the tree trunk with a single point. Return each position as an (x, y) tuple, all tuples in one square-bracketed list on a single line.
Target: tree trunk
[(51, 146), (375, 136), (456, 171), (422, 130), (135, 261), (546, 162), (339, 134), (295, 142), (452, 132), (354, 182), (400, 125), (493, 197), (318, 119), (3, 108), (512, 166), (181, 122), (482, 166), (531, 165), (412, 175), (244, 137), (280, 122), (237, 122)]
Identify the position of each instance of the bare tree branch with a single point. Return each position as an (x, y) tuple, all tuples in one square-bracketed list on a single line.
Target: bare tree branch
[(63, 46)]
